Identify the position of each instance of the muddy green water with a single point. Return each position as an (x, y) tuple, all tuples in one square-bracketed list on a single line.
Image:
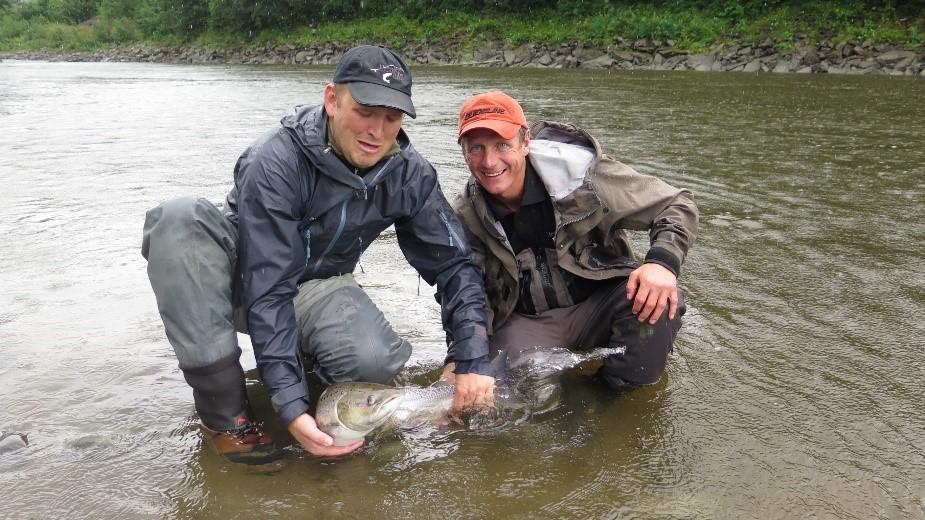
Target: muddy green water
[(795, 390)]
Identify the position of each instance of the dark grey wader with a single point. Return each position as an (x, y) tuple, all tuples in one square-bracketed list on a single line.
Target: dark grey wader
[(191, 251), (605, 319)]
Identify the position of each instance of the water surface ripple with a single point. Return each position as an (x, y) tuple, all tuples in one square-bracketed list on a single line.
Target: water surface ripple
[(794, 391)]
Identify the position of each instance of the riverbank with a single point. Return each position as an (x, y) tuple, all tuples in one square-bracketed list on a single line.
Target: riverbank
[(803, 57)]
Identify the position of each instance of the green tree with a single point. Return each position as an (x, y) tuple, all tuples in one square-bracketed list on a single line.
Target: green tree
[(74, 11), (183, 18), (114, 9)]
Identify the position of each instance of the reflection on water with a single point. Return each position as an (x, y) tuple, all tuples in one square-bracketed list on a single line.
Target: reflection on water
[(795, 389)]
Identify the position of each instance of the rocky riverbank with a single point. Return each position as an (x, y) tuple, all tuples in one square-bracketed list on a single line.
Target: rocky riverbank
[(803, 56)]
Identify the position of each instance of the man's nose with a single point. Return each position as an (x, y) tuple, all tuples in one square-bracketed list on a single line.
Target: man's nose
[(489, 158), (376, 126)]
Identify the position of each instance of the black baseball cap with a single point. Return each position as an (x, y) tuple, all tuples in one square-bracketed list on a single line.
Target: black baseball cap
[(376, 77)]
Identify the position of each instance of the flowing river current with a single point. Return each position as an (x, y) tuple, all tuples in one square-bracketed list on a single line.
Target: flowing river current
[(795, 389)]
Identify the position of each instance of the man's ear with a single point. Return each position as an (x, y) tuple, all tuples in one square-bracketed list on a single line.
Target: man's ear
[(330, 99)]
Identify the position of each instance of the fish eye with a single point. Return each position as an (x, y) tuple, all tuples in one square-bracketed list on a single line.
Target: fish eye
[(370, 399)]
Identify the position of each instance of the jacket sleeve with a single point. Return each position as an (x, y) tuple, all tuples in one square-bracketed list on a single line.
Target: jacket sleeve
[(645, 203), (271, 259), (477, 255), (434, 243)]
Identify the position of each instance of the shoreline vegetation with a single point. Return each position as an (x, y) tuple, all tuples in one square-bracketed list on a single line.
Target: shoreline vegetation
[(821, 36)]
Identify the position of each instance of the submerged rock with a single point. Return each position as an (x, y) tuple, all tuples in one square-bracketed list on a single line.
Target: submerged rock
[(12, 441)]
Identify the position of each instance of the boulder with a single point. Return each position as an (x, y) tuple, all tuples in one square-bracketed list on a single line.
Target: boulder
[(752, 66), (894, 56), (783, 65), (12, 441), (601, 62), (701, 62), (624, 55)]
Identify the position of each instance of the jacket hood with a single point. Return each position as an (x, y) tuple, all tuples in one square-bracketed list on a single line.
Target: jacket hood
[(565, 149), (308, 127)]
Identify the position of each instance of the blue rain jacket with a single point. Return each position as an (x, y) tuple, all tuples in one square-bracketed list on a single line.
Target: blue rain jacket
[(303, 214)]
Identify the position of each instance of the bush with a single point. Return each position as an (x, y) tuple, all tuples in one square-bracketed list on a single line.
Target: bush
[(73, 11), (119, 30), (115, 9), (185, 19)]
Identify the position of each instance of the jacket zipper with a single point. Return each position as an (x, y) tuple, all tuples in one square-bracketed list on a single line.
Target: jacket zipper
[(337, 234), (449, 230)]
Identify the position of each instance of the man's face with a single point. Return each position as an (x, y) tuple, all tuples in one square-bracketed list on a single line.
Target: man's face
[(499, 165), (362, 134)]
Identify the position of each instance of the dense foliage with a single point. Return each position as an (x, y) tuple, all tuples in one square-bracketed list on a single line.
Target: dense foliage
[(86, 24)]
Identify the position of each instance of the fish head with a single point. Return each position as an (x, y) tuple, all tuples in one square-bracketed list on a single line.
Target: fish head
[(349, 411)]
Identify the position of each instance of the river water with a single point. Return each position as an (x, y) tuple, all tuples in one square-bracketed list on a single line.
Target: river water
[(795, 390)]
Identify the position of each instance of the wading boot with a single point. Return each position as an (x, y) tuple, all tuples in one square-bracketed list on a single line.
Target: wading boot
[(245, 445)]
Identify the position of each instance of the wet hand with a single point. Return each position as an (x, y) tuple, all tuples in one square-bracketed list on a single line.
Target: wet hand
[(447, 376), (305, 431), (652, 288), (473, 391)]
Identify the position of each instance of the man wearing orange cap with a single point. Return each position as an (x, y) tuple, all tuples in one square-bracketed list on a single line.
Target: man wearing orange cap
[(546, 212)]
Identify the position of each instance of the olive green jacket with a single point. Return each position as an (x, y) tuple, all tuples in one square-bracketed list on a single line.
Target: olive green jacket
[(595, 199)]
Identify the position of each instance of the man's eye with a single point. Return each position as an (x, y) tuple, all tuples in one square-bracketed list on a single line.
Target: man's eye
[(475, 149), (503, 147)]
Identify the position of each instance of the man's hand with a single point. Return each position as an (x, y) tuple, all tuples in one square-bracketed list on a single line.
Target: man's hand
[(304, 430), (447, 376), (652, 288), (472, 391)]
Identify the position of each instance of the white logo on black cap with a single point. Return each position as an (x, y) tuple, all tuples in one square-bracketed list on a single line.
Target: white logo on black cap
[(389, 71)]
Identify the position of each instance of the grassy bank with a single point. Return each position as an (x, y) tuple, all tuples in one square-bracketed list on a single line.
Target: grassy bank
[(690, 28)]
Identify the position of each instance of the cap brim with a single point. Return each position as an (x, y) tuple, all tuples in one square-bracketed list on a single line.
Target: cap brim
[(505, 129), (378, 96)]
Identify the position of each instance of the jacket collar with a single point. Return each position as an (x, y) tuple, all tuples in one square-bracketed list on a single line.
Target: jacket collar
[(576, 204), (308, 127)]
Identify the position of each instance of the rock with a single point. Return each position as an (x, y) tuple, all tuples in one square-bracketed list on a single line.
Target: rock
[(302, 56), (545, 60), (590, 53), (752, 66), (675, 63), (894, 56), (12, 441), (509, 57), (805, 70), (601, 62), (902, 64), (701, 62), (624, 55), (811, 57), (783, 65)]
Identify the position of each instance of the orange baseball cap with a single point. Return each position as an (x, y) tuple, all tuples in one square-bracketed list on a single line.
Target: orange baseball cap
[(493, 110)]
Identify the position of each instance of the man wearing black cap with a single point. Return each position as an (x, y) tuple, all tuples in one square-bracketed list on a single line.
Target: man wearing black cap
[(309, 197)]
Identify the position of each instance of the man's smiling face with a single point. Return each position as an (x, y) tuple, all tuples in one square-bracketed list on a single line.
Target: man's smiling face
[(499, 165)]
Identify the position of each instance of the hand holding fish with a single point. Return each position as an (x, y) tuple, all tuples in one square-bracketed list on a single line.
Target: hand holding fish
[(473, 391), (305, 431)]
